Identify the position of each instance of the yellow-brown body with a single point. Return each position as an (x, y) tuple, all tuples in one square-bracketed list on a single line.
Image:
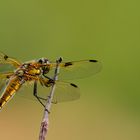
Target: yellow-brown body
[(38, 70), (26, 72), (13, 85), (30, 71)]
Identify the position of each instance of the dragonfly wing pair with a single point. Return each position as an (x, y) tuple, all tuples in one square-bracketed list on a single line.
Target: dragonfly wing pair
[(66, 91), (4, 59), (68, 70)]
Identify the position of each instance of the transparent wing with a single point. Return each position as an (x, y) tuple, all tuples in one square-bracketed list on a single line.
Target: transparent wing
[(2, 85), (6, 64), (76, 69), (3, 80), (64, 92), (4, 59)]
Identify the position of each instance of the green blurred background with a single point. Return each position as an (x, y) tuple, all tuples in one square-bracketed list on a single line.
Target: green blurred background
[(109, 108)]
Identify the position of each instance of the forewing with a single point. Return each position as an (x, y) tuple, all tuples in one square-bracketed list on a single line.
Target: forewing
[(5, 59), (76, 69)]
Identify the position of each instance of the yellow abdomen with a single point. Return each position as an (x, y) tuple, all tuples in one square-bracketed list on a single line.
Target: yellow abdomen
[(13, 85)]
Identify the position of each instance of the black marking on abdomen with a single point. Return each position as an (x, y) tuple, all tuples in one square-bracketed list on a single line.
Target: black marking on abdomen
[(68, 64), (93, 61), (3, 99)]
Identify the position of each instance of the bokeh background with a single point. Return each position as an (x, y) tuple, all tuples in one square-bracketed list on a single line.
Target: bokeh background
[(109, 107)]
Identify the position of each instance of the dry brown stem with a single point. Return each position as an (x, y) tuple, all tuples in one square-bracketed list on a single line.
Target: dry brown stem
[(45, 120)]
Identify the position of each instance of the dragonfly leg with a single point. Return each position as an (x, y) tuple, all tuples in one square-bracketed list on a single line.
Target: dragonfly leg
[(47, 77), (38, 98), (47, 81)]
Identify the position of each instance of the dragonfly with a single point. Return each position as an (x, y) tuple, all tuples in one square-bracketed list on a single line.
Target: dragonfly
[(14, 74)]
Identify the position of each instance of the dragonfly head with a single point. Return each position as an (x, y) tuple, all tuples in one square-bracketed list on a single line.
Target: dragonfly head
[(45, 67), (43, 61)]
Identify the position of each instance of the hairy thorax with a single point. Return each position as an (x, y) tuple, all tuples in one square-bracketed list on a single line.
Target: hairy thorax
[(29, 71)]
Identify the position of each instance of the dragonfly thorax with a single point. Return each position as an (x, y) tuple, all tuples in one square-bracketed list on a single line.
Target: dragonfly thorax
[(28, 70)]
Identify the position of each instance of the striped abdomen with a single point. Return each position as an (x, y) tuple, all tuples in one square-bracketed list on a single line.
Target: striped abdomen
[(13, 85)]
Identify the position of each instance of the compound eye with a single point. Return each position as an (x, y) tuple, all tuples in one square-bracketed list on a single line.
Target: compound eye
[(46, 61), (40, 61), (43, 61)]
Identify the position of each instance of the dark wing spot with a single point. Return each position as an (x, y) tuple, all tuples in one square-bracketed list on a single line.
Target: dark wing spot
[(93, 61), (73, 85), (68, 64), (5, 57)]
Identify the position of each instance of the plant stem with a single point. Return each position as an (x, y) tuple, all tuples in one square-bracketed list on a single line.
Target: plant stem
[(45, 120)]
